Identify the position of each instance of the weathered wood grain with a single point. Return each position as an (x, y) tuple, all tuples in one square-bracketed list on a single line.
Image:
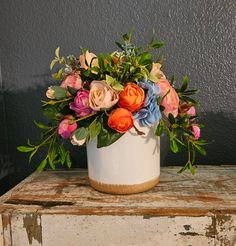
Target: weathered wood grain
[(184, 209)]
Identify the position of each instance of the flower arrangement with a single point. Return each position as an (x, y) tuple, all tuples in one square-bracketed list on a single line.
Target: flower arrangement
[(102, 97)]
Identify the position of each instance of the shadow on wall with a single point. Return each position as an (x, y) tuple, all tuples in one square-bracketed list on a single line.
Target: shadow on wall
[(24, 106)]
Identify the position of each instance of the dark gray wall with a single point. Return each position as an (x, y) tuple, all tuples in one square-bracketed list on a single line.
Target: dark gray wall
[(200, 42)]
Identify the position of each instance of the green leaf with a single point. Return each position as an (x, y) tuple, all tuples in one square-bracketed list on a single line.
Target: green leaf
[(42, 165), (157, 44), (32, 154), (59, 92), (126, 37), (72, 91), (185, 83), (109, 79), (145, 58), (50, 111), (172, 80), (107, 136), (201, 142), (54, 61), (118, 87), (25, 148), (159, 128), (119, 45), (173, 146), (41, 125), (81, 133), (94, 129), (58, 75), (62, 154), (183, 168), (101, 61), (171, 118), (68, 160), (57, 52), (200, 149), (51, 163), (191, 168)]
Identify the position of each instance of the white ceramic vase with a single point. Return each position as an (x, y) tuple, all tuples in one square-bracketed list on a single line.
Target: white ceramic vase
[(130, 165)]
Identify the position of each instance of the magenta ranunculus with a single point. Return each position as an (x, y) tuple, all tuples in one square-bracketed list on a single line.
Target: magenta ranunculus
[(81, 103), (66, 128), (196, 131)]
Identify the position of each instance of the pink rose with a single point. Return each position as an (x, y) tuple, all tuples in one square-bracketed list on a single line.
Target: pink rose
[(81, 103), (73, 80), (196, 131), (102, 96), (66, 128), (89, 58), (171, 100)]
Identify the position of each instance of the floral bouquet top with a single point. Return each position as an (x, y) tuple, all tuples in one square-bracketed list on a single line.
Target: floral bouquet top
[(102, 97)]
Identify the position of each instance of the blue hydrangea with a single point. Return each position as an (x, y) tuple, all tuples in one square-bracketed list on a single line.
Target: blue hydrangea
[(150, 113)]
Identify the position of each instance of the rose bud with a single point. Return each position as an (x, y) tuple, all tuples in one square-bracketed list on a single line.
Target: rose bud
[(56, 92), (120, 120), (196, 131), (73, 80), (66, 127), (75, 141), (132, 97)]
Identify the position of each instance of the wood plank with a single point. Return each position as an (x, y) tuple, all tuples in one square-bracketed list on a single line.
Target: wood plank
[(211, 191)]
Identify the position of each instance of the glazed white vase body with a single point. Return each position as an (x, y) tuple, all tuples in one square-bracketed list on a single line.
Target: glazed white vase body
[(130, 165)]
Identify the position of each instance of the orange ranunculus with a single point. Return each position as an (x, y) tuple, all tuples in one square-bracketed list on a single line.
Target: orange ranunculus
[(132, 97), (120, 120)]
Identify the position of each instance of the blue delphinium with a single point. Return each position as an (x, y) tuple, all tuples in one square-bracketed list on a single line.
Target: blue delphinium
[(150, 113)]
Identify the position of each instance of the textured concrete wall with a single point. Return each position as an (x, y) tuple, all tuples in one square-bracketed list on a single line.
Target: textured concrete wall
[(200, 42)]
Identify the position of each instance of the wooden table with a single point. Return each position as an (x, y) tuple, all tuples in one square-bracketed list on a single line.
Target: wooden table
[(58, 208)]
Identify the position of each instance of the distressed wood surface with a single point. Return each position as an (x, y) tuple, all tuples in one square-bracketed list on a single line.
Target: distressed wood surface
[(180, 210), (211, 190)]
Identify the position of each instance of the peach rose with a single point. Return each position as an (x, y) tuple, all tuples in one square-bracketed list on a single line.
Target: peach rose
[(171, 101), (89, 58), (120, 120), (73, 80), (102, 96), (156, 74), (132, 97)]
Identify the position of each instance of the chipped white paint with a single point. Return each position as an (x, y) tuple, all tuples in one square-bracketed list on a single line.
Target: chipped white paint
[(125, 230), (20, 236), (60, 208)]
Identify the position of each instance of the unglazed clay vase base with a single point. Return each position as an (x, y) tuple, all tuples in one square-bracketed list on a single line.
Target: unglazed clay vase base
[(130, 165)]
